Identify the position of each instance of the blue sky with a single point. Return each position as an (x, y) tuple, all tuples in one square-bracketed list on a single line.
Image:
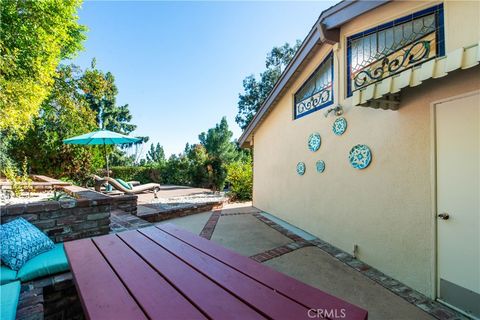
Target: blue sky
[(180, 65)]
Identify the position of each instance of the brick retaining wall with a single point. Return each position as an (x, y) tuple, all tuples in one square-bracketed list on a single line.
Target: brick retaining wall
[(85, 216), (63, 220)]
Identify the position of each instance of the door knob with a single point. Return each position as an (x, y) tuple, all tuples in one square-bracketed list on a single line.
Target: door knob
[(444, 216)]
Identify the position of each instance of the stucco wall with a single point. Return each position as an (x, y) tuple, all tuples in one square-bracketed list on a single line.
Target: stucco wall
[(386, 209)]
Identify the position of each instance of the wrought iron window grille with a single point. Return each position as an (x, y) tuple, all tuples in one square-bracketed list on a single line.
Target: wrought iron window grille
[(390, 48), (317, 92)]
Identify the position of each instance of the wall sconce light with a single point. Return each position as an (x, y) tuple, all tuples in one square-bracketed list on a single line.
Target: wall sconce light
[(337, 110)]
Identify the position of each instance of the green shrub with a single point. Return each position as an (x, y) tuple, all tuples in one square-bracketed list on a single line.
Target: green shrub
[(240, 178), (11, 173), (144, 174)]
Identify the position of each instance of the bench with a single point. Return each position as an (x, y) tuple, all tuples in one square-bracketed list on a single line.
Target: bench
[(164, 272), (45, 264)]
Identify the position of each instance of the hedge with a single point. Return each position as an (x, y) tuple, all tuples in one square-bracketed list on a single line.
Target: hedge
[(143, 174)]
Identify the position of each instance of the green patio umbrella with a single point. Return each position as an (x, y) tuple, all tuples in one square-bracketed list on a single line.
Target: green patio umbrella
[(101, 137)]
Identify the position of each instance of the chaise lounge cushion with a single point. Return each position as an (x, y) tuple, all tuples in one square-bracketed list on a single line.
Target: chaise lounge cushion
[(124, 184), (9, 294), (7, 275), (45, 264), (20, 241)]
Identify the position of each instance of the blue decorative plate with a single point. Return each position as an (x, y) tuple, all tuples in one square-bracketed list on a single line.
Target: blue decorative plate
[(301, 168), (360, 156), (314, 142), (320, 166), (339, 126)]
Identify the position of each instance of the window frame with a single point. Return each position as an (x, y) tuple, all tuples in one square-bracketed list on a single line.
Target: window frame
[(439, 39), (324, 105)]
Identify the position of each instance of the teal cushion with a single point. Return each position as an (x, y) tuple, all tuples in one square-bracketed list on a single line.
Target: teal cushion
[(20, 241), (9, 294), (45, 264), (124, 184), (7, 275)]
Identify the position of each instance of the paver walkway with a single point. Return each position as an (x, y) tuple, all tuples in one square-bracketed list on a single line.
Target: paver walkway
[(243, 229)]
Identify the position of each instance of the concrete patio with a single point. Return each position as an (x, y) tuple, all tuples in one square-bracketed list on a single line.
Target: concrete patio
[(245, 230)]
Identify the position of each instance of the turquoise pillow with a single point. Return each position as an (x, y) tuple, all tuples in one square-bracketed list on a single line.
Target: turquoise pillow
[(45, 264), (124, 184), (9, 294), (20, 241), (7, 275)]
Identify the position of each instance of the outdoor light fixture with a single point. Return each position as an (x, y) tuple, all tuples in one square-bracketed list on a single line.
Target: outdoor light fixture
[(338, 110)]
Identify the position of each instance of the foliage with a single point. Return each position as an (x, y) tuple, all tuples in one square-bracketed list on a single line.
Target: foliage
[(5, 159), (240, 178), (156, 155), (198, 172), (100, 93), (59, 196), (34, 37), (25, 176), (176, 170), (11, 173), (256, 91), (143, 174), (202, 164), (64, 114), (220, 150)]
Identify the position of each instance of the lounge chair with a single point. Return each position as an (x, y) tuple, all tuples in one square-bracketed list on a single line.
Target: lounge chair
[(99, 182)]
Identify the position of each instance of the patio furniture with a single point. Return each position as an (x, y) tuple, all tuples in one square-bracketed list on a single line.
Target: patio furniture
[(99, 182), (45, 264), (165, 273), (9, 294)]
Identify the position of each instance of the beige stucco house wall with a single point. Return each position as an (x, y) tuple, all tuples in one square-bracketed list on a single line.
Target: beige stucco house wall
[(387, 209)]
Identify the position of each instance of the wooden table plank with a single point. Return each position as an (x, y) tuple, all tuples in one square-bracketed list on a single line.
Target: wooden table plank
[(101, 292), (158, 298), (307, 295), (212, 299), (254, 293)]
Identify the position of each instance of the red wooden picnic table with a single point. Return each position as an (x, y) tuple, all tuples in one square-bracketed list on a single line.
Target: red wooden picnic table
[(164, 272)]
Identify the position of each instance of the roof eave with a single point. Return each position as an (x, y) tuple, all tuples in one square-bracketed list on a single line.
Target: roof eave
[(325, 30)]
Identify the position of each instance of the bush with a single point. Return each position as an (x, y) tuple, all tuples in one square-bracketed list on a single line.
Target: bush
[(240, 178), (144, 174)]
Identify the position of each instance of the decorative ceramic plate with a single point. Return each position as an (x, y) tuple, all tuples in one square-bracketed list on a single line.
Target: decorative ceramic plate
[(314, 141), (339, 126), (360, 156), (301, 168), (320, 166)]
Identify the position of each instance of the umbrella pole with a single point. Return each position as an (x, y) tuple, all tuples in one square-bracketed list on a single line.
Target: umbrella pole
[(106, 159)]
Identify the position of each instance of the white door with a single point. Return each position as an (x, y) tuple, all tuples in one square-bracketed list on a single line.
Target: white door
[(458, 202)]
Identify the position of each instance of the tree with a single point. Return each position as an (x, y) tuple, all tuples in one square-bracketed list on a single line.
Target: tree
[(100, 93), (220, 150), (63, 114), (240, 179), (198, 165), (256, 91), (34, 37), (156, 155), (176, 170)]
